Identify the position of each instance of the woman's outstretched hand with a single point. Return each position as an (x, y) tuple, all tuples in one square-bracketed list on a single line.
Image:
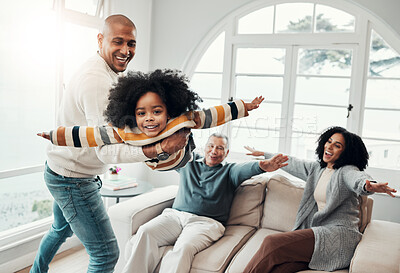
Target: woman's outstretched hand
[(45, 135), (379, 187), (253, 151), (254, 104), (275, 163)]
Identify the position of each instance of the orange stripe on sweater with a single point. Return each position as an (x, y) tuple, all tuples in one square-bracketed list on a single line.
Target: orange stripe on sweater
[(220, 115), (61, 136), (116, 136), (90, 137)]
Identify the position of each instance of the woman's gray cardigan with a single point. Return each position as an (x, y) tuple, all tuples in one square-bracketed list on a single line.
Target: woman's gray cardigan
[(336, 226)]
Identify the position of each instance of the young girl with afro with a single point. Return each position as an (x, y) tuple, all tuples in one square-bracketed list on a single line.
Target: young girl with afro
[(144, 108)]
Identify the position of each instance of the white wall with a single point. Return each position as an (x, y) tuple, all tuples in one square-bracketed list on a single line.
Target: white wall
[(139, 11), (178, 26)]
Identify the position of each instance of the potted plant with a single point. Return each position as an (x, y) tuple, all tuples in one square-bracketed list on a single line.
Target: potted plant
[(114, 172)]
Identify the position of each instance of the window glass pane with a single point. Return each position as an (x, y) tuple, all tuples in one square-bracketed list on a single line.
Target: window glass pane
[(383, 154), (383, 93), (80, 43), (304, 145), (207, 103), (383, 60), (260, 60), (334, 62), (257, 22), (23, 199), (207, 85), (331, 91), (249, 87), (27, 84), (314, 119), (333, 20), (293, 17), (381, 124), (84, 6), (213, 58), (267, 116), (263, 140)]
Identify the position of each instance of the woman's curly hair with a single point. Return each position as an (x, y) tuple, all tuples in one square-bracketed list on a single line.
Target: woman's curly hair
[(170, 85), (355, 153)]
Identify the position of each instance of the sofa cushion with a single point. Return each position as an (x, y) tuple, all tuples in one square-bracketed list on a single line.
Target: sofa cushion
[(248, 202), (365, 211), (371, 248), (281, 203), (243, 257), (217, 257)]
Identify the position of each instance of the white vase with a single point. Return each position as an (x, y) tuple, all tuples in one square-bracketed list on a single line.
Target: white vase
[(113, 176)]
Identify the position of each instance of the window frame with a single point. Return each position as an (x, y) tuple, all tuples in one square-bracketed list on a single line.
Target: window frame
[(14, 237), (359, 40)]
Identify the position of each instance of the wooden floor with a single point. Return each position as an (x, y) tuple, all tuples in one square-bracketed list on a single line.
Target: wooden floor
[(74, 260)]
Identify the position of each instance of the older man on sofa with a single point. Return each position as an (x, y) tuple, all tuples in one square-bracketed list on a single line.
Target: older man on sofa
[(199, 212)]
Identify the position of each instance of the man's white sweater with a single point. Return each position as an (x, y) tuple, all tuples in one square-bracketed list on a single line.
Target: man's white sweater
[(83, 103)]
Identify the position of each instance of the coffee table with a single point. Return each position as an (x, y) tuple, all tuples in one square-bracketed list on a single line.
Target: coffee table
[(142, 187)]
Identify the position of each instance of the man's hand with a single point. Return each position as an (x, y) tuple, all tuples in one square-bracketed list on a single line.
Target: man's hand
[(176, 141), (275, 163), (254, 104), (253, 151), (170, 144), (379, 187), (45, 135)]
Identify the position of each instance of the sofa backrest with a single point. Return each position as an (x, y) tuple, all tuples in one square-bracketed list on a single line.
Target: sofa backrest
[(247, 205), (366, 204), (282, 202)]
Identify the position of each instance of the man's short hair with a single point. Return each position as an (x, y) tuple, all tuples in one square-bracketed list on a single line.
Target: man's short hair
[(220, 135)]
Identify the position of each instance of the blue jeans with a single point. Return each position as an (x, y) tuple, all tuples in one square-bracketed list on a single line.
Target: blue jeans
[(78, 208)]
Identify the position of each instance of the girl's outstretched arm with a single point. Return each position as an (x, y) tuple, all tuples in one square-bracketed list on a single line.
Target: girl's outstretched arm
[(254, 104), (45, 135)]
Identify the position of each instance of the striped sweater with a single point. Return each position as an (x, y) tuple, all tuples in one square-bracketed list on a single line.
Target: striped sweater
[(85, 136)]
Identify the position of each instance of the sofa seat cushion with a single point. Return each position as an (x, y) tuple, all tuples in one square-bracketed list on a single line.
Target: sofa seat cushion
[(318, 271), (243, 257), (217, 257)]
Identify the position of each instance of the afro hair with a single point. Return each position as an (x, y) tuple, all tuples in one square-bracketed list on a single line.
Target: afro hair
[(355, 153), (170, 85)]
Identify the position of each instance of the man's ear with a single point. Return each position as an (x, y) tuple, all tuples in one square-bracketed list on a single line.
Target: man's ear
[(100, 38)]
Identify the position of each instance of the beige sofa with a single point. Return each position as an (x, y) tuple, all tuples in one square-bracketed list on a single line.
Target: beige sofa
[(262, 205)]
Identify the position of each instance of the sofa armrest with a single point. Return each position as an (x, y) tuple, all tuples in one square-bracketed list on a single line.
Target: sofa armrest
[(378, 250), (126, 217), (131, 214)]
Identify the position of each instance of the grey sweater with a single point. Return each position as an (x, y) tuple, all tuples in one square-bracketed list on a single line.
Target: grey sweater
[(336, 226)]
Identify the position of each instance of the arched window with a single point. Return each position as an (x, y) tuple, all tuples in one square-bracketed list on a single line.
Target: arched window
[(317, 65)]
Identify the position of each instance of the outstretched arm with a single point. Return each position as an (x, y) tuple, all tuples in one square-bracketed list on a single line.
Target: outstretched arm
[(254, 104), (379, 187), (83, 136), (274, 163), (253, 151), (45, 135)]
